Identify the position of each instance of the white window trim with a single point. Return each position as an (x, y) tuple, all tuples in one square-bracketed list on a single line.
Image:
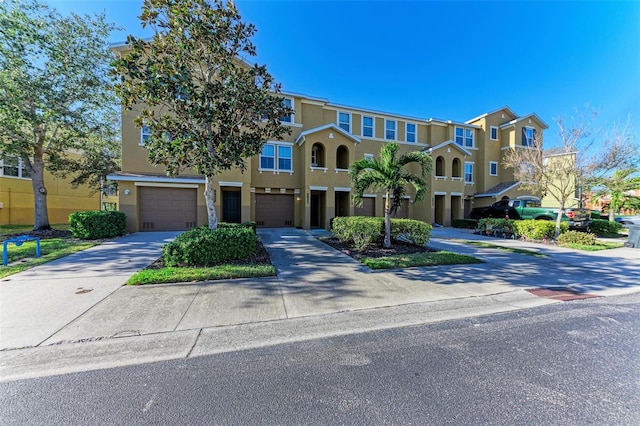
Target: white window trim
[(20, 166), (275, 158), (464, 172), (406, 131), (491, 163), (143, 133), (293, 115), (395, 131), (373, 126), (338, 112), (464, 137), (491, 129)]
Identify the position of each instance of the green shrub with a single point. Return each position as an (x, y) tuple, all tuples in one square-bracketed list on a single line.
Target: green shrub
[(94, 224), (577, 237), (596, 214), (464, 223), (248, 224), (206, 247), (538, 229), (604, 228), (498, 224), (359, 230), (414, 231)]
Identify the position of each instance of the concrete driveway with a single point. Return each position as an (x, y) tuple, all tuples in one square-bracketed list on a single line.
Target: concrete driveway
[(81, 297)]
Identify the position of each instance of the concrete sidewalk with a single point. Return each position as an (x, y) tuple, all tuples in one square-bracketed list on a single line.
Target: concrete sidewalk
[(37, 303), (80, 300)]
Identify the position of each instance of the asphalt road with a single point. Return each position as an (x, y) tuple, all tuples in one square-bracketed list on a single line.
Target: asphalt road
[(569, 363)]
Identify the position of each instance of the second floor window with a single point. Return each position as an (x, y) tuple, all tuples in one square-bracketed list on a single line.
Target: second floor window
[(493, 168), (344, 121), (276, 157), (464, 137), (145, 134), (367, 126), (411, 132), (468, 172), (528, 136), (390, 130)]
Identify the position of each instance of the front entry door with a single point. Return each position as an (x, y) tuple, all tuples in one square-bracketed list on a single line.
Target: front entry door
[(231, 206)]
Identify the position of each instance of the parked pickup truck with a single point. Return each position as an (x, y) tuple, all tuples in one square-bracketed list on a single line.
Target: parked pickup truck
[(530, 208)]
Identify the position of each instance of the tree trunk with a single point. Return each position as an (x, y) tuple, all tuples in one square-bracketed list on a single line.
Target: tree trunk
[(558, 221), (40, 213), (210, 201), (387, 221)]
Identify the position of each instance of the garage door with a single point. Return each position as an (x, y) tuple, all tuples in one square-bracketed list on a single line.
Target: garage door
[(274, 210), (368, 207), (167, 209)]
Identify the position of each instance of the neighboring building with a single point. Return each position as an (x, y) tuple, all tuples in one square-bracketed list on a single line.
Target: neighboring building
[(302, 180), (16, 196)]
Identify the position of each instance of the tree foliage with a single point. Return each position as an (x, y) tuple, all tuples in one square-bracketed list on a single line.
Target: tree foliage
[(582, 158), (206, 107), (390, 175), (57, 106), (618, 188)]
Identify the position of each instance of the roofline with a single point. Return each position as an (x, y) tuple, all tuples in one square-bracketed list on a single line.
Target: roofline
[(346, 134), (493, 112), (496, 194), (519, 119), (446, 143), (150, 178)]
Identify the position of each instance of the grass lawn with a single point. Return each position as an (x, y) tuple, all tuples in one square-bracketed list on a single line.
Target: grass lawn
[(418, 259), (51, 249), (220, 272), (20, 229), (509, 249), (601, 245)]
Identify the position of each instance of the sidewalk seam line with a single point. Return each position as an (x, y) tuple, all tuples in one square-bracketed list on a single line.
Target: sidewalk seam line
[(188, 307)]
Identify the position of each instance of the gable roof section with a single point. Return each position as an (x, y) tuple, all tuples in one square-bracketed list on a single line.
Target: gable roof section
[(445, 144), (533, 116), (486, 114), (300, 139), (498, 190)]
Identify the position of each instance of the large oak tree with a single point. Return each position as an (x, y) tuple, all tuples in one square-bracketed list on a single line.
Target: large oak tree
[(206, 107), (57, 106)]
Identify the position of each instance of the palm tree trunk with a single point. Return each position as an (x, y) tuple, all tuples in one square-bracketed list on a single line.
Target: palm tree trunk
[(387, 221)]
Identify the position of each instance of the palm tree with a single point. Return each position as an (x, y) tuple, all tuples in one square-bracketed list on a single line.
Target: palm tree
[(389, 175)]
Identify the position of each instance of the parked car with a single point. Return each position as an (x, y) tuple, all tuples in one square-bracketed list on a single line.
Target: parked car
[(629, 220), (529, 207)]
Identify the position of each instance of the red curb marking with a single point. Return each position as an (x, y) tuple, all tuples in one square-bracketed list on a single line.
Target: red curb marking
[(561, 295)]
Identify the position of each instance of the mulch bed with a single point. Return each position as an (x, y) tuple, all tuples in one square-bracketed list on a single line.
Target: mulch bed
[(375, 250)]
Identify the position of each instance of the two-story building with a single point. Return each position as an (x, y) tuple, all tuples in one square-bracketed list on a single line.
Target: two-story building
[(302, 180)]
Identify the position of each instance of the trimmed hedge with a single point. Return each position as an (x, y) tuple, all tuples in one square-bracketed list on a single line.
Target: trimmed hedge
[(206, 247), (604, 228), (577, 237), (538, 229), (94, 224), (247, 224), (464, 223), (413, 231), (362, 231)]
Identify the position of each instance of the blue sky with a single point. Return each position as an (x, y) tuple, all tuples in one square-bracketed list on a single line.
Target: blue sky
[(448, 60)]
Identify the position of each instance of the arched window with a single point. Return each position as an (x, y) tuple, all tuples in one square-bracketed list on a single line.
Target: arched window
[(440, 167), (317, 155), (342, 157), (456, 170)]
